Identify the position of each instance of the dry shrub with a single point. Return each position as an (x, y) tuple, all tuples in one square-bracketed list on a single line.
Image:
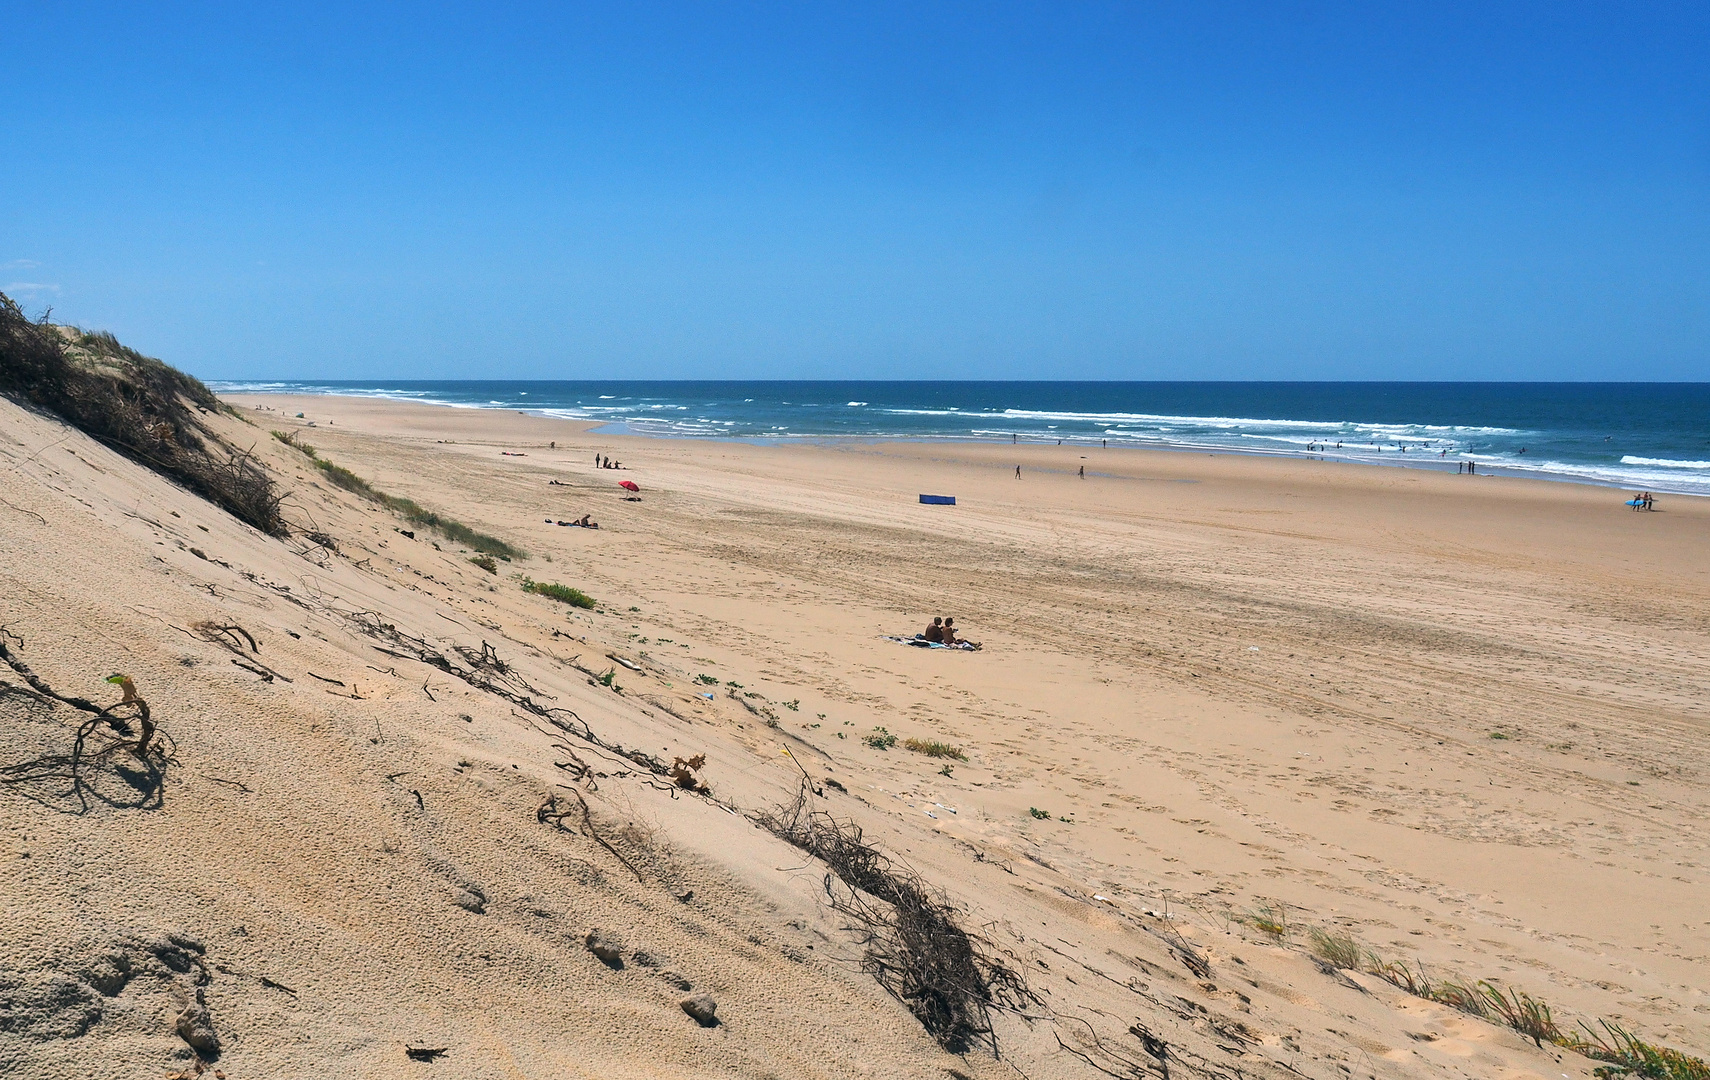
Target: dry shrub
[(915, 948)]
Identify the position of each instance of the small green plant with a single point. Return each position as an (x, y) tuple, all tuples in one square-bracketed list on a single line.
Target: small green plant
[(635, 609), (1498, 735), (733, 683), (934, 748), (1038, 814), (609, 678), (1066, 820), (793, 706), (564, 594), (486, 563), (944, 770), (880, 739), (1272, 921), (1337, 950), (708, 680)]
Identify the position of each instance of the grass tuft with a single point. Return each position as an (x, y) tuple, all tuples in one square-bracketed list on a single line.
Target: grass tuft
[(1624, 1054), (934, 748), (1337, 950), (486, 563), (289, 438), (564, 594), (1272, 921)]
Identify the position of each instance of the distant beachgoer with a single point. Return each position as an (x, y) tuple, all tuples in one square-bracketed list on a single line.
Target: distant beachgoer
[(596, 461), (935, 632), (1083, 472), (1106, 443), (1018, 472), (552, 445), (1648, 500)]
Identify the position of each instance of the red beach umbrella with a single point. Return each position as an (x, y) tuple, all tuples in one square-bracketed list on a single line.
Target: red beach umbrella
[(628, 485)]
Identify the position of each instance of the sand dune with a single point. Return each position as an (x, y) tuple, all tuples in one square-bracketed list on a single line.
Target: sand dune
[(1461, 719)]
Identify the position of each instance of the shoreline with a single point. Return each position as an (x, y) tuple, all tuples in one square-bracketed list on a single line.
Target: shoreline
[(629, 428)]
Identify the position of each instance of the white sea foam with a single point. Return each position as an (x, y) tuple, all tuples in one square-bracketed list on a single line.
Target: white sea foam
[(1664, 463), (1225, 422)]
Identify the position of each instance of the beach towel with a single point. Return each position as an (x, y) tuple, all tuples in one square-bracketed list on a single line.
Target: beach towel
[(922, 643)]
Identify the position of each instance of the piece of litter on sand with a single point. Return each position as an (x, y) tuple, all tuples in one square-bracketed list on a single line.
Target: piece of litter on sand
[(709, 697), (931, 815), (1252, 648), (1106, 899), (941, 806)]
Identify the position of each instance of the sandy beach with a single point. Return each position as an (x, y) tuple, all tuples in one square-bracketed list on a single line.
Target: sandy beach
[(1221, 702)]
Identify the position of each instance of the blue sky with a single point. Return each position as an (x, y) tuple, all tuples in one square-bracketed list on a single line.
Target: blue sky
[(1134, 191)]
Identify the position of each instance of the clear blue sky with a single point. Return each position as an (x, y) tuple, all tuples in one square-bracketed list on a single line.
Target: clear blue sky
[(1070, 190)]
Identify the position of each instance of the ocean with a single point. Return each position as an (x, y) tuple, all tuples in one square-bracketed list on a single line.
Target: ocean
[(1639, 436)]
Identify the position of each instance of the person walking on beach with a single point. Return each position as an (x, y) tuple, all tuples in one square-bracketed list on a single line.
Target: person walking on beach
[(1018, 472), (1083, 472)]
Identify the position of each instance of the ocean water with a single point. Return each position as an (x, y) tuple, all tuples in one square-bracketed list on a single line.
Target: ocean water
[(1650, 436)]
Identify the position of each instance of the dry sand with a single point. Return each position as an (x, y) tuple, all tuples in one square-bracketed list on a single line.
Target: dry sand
[(1460, 718)]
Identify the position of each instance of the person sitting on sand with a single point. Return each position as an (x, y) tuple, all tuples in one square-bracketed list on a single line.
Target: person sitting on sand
[(935, 632), (950, 637)]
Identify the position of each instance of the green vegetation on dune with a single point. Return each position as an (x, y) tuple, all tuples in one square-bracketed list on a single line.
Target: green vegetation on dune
[(143, 408), (1623, 1053), (409, 509), (564, 594)]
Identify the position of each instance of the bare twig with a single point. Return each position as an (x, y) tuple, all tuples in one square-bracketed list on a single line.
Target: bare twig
[(553, 810)]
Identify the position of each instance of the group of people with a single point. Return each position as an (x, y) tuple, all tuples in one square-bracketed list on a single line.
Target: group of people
[(607, 463), (583, 522), (943, 632), (1642, 501)]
